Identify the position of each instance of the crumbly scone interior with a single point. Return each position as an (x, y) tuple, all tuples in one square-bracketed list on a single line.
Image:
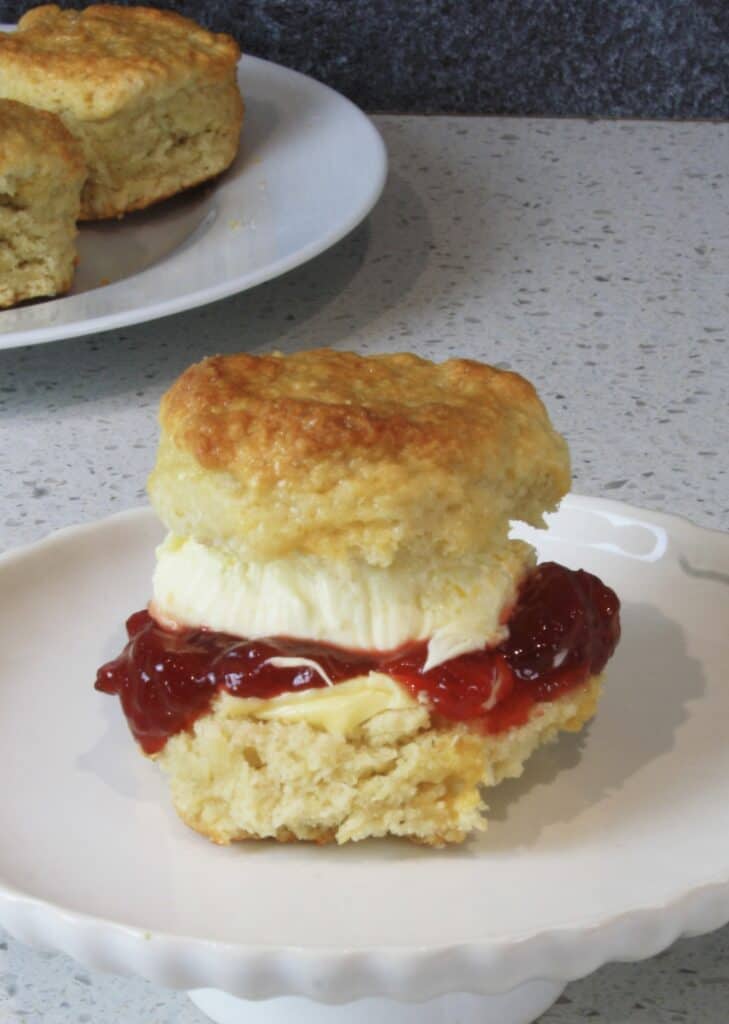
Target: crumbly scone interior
[(37, 253), (37, 233), (234, 777)]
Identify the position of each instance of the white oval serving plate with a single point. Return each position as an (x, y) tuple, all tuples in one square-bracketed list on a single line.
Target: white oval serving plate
[(310, 168), (611, 845)]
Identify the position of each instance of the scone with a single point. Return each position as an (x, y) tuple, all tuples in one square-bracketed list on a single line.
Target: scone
[(41, 175), (152, 97), (343, 641)]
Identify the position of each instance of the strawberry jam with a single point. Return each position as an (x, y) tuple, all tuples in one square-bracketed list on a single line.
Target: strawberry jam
[(562, 630)]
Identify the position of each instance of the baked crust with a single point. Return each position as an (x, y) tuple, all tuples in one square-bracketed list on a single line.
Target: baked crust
[(339, 454), (151, 97), (93, 63)]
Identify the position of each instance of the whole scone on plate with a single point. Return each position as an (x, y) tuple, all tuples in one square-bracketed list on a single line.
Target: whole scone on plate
[(151, 96), (343, 642), (42, 172)]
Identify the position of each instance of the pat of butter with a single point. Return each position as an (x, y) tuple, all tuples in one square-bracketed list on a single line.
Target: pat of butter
[(338, 709)]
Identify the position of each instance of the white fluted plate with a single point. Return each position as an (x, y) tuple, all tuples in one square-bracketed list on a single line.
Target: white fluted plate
[(611, 845)]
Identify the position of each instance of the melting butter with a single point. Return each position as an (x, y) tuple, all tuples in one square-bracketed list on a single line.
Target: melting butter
[(339, 709)]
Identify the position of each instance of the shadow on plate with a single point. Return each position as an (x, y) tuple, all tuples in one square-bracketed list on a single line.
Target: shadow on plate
[(112, 250)]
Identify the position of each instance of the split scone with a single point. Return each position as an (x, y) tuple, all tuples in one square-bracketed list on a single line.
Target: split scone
[(41, 175), (343, 642), (152, 97)]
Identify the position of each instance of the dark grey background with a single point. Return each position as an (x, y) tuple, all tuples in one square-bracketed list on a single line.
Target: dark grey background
[(616, 58)]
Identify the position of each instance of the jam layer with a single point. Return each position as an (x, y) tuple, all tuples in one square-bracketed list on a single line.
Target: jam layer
[(562, 630)]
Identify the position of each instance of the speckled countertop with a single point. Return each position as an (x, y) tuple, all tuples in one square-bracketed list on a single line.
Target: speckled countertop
[(592, 257)]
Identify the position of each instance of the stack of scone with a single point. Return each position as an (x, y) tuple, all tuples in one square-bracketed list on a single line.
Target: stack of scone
[(342, 641), (150, 97)]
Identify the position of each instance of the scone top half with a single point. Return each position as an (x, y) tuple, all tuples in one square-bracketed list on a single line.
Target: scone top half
[(91, 64), (383, 459)]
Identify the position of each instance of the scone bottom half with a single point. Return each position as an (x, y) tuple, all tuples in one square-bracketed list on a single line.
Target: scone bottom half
[(344, 681)]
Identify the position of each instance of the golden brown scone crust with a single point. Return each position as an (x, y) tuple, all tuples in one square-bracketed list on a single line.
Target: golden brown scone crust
[(41, 176), (151, 97), (94, 62), (340, 454)]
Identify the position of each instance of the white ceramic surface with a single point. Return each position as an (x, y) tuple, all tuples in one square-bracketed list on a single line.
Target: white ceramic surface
[(519, 1006), (610, 846), (310, 167)]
